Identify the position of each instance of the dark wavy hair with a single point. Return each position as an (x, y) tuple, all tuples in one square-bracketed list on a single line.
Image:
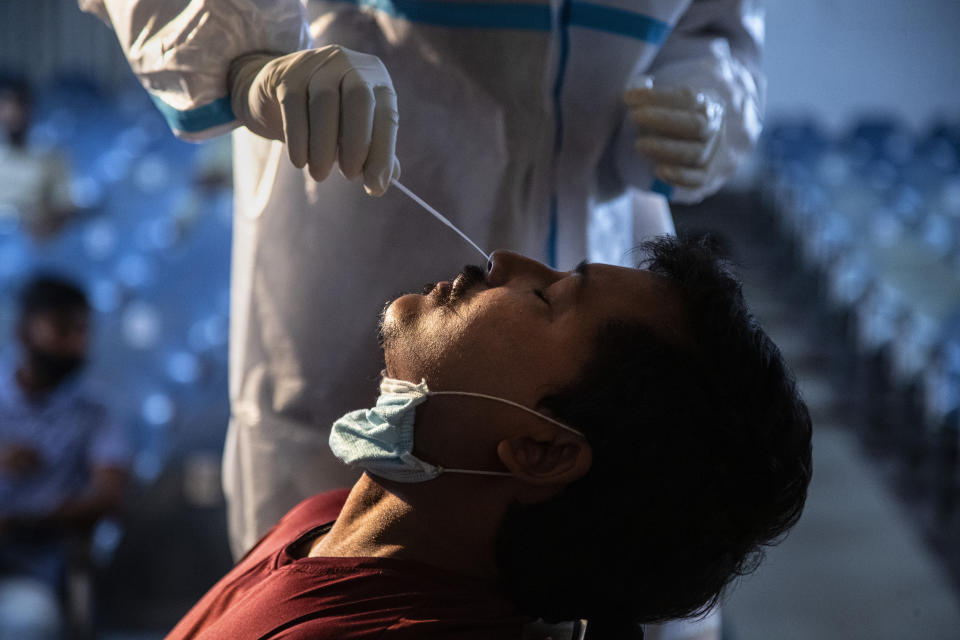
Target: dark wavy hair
[(701, 457)]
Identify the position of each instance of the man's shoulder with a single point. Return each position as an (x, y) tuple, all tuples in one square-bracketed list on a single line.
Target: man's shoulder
[(89, 401), (80, 406), (83, 394)]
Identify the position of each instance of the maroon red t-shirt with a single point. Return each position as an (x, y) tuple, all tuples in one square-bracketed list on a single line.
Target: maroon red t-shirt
[(277, 592)]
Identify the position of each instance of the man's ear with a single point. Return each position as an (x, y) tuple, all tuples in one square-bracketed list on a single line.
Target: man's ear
[(549, 459)]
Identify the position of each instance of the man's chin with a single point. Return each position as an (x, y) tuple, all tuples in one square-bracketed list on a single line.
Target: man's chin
[(398, 316)]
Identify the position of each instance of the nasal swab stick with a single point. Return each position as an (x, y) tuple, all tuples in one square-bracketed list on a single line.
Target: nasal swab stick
[(436, 214)]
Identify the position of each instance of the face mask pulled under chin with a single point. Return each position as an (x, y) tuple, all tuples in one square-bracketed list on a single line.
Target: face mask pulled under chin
[(54, 368), (380, 439)]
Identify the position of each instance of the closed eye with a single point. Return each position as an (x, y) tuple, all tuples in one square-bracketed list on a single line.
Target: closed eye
[(539, 294)]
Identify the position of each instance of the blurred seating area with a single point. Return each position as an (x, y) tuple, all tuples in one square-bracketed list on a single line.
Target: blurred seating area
[(150, 242), (872, 219)]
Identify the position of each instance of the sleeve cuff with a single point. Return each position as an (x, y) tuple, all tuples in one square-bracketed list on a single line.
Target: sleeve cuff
[(663, 188), (200, 122)]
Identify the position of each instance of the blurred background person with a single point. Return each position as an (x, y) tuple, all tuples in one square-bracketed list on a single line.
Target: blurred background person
[(63, 459), (34, 183)]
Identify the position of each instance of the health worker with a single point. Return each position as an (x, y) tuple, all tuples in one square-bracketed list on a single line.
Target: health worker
[(515, 118)]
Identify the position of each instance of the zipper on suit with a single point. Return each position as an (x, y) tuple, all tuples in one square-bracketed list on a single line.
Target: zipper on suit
[(561, 9)]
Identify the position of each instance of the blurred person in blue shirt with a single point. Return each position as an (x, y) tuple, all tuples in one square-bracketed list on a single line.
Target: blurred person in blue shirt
[(34, 183), (63, 460)]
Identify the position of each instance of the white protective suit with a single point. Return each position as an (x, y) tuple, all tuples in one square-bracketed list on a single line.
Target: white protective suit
[(512, 123)]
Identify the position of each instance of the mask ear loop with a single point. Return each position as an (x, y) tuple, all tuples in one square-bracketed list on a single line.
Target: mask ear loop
[(503, 401), (473, 472), (511, 403)]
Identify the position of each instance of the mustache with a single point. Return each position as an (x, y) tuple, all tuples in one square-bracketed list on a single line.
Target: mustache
[(470, 276)]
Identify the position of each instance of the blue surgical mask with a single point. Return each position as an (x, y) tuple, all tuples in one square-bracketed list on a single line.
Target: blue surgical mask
[(380, 439)]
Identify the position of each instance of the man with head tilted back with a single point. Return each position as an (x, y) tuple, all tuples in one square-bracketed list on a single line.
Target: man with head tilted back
[(608, 444)]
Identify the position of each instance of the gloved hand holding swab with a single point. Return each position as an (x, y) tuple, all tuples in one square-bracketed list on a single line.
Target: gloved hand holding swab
[(436, 214)]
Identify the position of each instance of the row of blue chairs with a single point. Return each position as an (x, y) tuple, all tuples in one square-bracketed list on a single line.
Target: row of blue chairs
[(874, 215)]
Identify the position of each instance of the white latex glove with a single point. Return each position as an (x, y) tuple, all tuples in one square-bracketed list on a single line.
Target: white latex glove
[(679, 131), (329, 105)]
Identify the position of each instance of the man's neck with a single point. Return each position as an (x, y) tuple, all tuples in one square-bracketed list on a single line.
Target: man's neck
[(16, 140), (443, 525)]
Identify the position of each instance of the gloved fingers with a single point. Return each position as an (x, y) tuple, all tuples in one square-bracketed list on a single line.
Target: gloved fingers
[(682, 176), (293, 112), (671, 98), (394, 175), (356, 123), (383, 142), (687, 153), (675, 123), (324, 127)]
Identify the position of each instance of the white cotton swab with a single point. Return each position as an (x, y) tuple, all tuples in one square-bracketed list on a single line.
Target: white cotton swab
[(436, 214)]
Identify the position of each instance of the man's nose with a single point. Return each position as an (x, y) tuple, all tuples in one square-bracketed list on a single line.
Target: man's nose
[(504, 266)]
